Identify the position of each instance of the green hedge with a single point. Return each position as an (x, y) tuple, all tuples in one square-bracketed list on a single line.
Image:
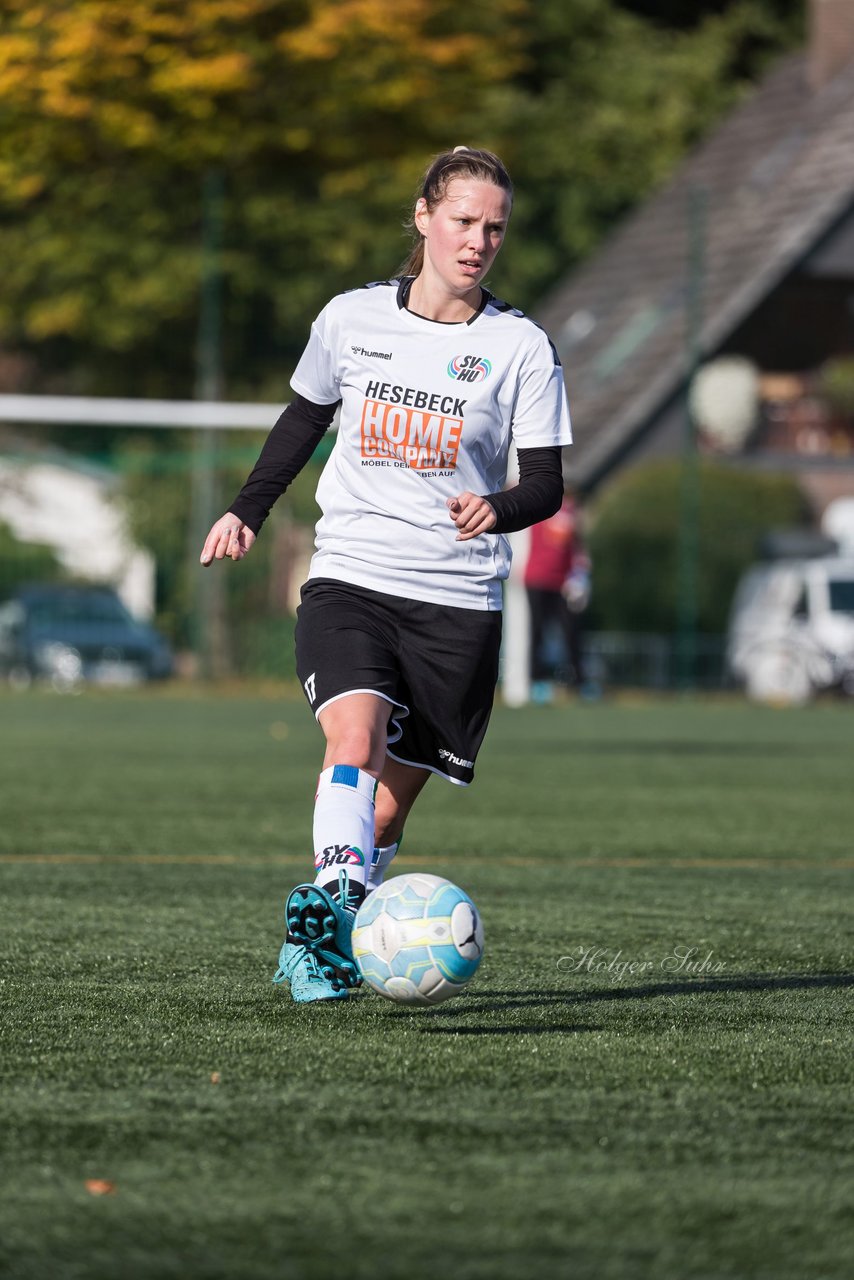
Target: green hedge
[(633, 532)]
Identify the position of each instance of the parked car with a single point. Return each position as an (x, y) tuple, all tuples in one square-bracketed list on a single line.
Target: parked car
[(791, 630), (72, 635)]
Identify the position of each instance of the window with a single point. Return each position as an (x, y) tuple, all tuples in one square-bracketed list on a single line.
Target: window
[(841, 595)]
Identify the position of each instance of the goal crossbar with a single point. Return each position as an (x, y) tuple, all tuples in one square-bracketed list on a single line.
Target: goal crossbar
[(105, 411)]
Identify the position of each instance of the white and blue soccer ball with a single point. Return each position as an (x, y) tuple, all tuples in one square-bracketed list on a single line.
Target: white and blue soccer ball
[(418, 939)]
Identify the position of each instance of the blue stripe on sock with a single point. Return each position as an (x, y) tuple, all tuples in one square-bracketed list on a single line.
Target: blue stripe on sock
[(345, 775)]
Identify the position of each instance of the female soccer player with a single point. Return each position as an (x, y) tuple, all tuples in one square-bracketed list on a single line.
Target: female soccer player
[(399, 624)]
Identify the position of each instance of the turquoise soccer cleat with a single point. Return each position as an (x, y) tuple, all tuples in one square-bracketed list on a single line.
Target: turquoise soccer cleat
[(323, 923), (308, 982)]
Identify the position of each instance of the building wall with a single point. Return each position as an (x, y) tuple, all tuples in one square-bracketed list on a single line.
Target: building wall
[(74, 513)]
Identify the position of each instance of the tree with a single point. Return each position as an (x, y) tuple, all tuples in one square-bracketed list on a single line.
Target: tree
[(320, 115), (257, 635), (610, 97), (25, 562)]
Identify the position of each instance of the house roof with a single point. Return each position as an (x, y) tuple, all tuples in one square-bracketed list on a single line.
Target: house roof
[(775, 177)]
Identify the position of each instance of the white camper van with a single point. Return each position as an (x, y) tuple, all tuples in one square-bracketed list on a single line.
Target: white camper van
[(791, 630)]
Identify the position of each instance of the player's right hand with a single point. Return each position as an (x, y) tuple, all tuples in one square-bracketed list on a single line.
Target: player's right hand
[(228, 537)]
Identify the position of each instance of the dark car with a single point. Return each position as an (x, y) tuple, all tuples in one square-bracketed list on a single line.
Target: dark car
[(70, 635)]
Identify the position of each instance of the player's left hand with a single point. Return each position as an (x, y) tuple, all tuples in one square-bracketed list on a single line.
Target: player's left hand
[(472, 515)]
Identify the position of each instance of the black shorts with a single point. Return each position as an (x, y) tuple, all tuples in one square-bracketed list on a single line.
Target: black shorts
[(436, 664)]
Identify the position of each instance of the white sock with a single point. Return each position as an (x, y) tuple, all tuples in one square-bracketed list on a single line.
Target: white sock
[(380, 863), (343, 825)]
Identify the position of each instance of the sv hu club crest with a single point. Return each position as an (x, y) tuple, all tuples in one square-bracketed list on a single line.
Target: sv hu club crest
[(469, 368)]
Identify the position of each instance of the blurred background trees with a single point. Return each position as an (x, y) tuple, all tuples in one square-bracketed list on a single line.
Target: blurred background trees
[(320, 116), (317, 118)]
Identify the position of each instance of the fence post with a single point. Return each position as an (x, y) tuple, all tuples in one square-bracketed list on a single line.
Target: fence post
[(210, 638), (686, 628)]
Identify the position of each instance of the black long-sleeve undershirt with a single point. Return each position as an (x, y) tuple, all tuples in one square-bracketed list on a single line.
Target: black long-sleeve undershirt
[(538, 494), (302, 426), (288, 447)]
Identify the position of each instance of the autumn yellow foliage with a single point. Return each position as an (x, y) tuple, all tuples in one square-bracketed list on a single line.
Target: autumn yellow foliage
[(113, 113), (316, 118)]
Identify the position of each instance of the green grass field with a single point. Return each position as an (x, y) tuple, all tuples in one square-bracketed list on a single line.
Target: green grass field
[(560, 1118)]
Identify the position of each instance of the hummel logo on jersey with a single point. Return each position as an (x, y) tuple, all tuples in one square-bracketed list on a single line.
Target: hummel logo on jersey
[(339, 855), (372, 355), (469, 368), (452, 759)]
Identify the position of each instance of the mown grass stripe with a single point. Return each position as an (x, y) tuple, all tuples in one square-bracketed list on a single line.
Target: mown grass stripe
[(500, 860)]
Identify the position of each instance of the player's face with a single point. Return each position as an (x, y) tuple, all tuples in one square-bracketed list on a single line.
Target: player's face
[(464, 232)]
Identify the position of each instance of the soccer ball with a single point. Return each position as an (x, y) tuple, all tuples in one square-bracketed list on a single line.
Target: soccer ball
[(417, 939)]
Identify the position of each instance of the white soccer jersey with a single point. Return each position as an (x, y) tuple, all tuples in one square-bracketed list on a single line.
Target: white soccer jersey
[(428, 410)]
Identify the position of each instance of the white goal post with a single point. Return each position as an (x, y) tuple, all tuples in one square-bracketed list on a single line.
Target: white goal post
[(104, 411)]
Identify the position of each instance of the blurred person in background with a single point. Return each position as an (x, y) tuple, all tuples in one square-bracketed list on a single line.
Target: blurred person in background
[(557, 584), (399, 626)]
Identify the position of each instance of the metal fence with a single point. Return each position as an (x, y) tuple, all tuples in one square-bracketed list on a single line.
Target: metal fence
[(619, 659), (253, 638)]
